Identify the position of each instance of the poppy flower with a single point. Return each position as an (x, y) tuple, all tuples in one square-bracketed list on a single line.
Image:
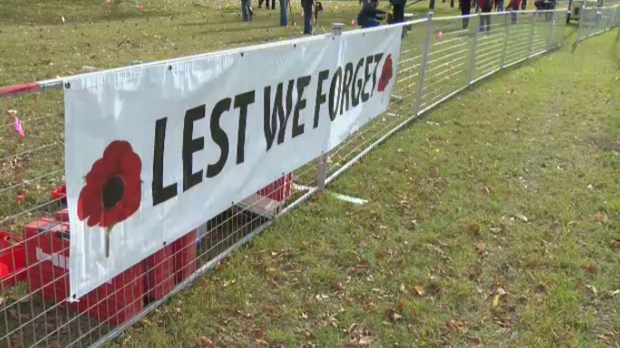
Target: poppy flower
[(386, 74), (113, 187)]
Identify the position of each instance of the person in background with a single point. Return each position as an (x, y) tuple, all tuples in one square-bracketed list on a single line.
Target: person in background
[(246, 10), (523, 5), (284, 7), (499, 5), (306, 5), (370, 16), (465, 7), (486, 6), (398, 10), (273, 4), (513, 6)]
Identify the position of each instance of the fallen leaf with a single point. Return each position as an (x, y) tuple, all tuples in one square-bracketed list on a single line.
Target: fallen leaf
[(271, 272), (500, 292), (365, 340), (521, 217), (481, 246), (615, 292), (592, 290), (419, 290), (397, 317), (474, 340), (600, 216), (204, 342), (495, 301), (337, 287), (473, 228), (495, 229)]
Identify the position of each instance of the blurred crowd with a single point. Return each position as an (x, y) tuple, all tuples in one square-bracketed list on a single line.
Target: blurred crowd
[(370, 15)]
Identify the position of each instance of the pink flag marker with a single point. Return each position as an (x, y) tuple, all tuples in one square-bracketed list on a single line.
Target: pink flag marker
[(18, 127), (439, 35)]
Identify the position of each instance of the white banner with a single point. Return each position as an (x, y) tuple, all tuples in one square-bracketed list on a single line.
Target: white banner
[(154, 151)]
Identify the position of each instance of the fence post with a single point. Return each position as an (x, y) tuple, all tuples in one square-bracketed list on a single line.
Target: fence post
[(529, 49), (425, 49), (472, 62), (336, 31), (580, 28), (508, 25), (551, 30)]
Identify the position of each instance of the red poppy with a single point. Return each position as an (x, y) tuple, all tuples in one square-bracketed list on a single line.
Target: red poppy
[(113, 188), (386, 74)]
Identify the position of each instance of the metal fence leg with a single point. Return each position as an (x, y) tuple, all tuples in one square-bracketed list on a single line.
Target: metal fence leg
[(427, 43), (336, 31), (472, 62), (529, 49), (580, 28), (551, 31), (508, 25)]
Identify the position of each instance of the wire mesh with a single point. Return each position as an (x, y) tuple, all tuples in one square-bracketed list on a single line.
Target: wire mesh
[(438, 58), (597, 20)]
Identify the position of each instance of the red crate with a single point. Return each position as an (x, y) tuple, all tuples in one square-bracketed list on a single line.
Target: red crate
[(12, 260), (278, 190), (118, 300), (63, 215), (47, 261), (60, 194), (160, 268), (185, 256)]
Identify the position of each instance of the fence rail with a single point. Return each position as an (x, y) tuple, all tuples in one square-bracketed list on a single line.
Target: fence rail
[(453, 53)]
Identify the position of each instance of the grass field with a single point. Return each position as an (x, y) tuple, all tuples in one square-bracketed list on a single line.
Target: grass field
[(491, 222)]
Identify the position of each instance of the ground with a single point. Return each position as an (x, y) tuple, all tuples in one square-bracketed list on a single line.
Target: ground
[(493, 221)]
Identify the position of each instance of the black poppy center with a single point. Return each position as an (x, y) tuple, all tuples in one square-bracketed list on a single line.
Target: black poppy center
[(113, 191)]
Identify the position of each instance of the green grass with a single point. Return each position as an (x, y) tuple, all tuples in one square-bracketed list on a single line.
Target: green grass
[(511, 185), (507, 190)]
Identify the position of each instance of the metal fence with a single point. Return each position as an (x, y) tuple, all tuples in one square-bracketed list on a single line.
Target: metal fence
[(439, 58), (597, 20)]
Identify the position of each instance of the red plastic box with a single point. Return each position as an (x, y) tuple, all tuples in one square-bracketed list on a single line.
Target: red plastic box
[(278, 190), (47, 262), (63, 215), (160, 268), (12, 260), (60, 194), (185, 256)]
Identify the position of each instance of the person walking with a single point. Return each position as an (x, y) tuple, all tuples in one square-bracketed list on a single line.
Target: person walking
[(246, 10), (486, 6), (499, 5), (306, 5), (465, 7), (398, 10), (273, 4), (513, 7)]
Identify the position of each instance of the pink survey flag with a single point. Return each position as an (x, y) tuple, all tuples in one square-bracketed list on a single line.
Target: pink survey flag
[(18, 127)]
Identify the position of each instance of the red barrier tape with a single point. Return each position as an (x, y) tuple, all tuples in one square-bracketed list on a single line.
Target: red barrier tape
[(17, 89)]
